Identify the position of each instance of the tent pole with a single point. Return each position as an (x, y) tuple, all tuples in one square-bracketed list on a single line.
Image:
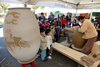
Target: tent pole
[(25, 3), (76, 9), (91, 15), (76, 12)]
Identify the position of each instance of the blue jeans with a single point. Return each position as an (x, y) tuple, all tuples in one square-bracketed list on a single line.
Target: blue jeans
[(43, 54)]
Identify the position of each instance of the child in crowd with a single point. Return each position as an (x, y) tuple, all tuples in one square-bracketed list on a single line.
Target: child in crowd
[(69, 21), (52, 33), (75, 24), (55, 21), (71, 24), (40, 22), (68, 25), (47, 27), (50, 22), (96, 24), (92, 21), (59, 21), (49, 43), (45, 23), (54, 28), (57, 32), (43, 44)]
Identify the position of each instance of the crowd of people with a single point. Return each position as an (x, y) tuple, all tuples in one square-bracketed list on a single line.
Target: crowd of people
[(96, 23), (50, 30), (56, 24), (62, 21)]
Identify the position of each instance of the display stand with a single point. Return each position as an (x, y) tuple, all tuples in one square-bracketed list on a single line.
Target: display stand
[(24, 64)]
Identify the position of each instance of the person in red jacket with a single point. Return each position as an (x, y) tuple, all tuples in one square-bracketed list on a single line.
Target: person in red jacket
[(63, 21)]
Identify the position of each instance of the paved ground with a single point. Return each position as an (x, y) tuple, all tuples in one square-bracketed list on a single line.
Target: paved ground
[(58, 60)]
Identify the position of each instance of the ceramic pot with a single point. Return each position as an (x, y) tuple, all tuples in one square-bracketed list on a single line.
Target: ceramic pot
[(78, 41), (21, 33)]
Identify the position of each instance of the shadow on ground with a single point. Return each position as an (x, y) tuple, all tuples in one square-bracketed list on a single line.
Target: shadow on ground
[(58, 60)]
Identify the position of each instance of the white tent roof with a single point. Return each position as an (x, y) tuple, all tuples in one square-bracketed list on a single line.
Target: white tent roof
[(48, 3), (23, 1), (78, 4), (11, 1), (54, 4)]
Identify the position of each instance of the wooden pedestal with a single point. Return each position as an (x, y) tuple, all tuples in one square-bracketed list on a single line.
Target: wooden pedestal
[(76, 48)]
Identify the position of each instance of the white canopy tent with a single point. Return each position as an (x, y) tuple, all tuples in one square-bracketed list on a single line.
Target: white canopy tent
[(80, 4), (32, 2), (77, 4), (11, 1), (41, 3), (54, 4)]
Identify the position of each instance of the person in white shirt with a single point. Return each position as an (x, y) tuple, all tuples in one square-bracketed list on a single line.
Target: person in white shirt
[(49, 43)]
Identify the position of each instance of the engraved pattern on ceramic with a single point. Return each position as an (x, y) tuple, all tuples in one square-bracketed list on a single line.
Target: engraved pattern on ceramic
[(21, 33), (10, 17)]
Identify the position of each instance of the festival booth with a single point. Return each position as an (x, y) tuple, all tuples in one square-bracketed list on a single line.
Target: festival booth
[(86, 15), (23, 45), (78, 41), (91, 13), (57, 7)]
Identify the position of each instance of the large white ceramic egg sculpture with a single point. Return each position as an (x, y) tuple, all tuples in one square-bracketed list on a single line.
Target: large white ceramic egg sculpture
[(21, 34)]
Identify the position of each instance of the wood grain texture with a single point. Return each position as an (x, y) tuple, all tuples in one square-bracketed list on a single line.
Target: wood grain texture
[(70, 53), (74, 55)]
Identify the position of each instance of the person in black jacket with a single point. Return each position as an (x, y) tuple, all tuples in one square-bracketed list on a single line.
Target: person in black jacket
[(68, 16), (57, 32), (75, 24), (42, 16)]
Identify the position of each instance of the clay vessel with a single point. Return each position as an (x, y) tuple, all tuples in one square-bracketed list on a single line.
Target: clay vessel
[(78, 41), (21, 34)]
